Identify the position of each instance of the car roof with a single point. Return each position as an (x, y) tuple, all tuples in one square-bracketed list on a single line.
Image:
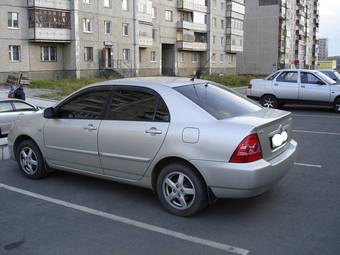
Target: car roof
[(12, 100), (171, 82), (301, 70)]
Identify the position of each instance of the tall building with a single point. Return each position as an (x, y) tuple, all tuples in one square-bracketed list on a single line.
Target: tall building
[(51, 39), (323, 48), (279, 34)]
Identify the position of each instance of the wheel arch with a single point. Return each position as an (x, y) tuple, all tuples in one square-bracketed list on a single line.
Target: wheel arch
[(169, 160), (19, 140)]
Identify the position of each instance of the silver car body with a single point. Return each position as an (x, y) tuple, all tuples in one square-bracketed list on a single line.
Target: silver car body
[(296, 91), (130, 151), (10, 110)]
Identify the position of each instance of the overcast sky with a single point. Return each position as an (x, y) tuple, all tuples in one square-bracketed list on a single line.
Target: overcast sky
[(330, 24)]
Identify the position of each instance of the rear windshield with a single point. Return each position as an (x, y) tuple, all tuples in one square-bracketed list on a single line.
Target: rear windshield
[(217, 100)]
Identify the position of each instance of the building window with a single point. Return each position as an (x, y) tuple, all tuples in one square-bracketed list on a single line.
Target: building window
[(214, 39), (168, 15), (222, 58), (153, 56), (126, 55), (107, 3), (125, 5), (222, 41), (49, 18), (14, 53), (153, 12), (222, 24), (88, 54), (87, 1), (107, 26), (125, 27), (222, 5), (13, 20), (214, 22), (87, 25), (154, 34), (194, 57), (48, 54), (213, 57), (181, 57)]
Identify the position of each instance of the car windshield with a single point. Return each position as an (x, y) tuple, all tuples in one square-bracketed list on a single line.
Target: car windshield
[(217, 100), (332, 74), (325, 78)]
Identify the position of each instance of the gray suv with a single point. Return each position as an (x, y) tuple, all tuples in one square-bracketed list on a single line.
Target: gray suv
[(295, 86)]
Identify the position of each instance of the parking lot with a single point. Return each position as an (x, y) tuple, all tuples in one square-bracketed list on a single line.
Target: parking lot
[(71, 214)]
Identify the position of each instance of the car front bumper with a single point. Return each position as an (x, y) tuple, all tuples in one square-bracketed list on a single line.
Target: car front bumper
[(230, 180)]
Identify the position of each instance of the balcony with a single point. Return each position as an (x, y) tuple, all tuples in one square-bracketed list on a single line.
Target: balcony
[(192, 26), (52, 4), (40, 34), (233, 31), (144, 17), (145, 41), (192, 46), (191, 5), (234, 48)]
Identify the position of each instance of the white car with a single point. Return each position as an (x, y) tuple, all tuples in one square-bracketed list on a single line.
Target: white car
[(10, 110), (295, 86)]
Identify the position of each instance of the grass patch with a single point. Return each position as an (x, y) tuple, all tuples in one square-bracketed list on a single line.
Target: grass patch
[(62, 88), (231, 80)]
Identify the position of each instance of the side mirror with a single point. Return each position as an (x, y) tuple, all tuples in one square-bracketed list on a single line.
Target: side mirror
[(49, 113)]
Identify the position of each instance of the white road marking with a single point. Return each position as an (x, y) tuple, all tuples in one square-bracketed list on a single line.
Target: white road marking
[(317, 116), (315, 132), (307, 165), (135, 223)]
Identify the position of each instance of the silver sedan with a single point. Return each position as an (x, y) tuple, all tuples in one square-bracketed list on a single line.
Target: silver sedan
[(189, 141), (10, 110)]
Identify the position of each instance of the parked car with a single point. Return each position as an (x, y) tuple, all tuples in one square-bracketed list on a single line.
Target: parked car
[(189, 141), (333, 74), (295, 86), (10, 110)]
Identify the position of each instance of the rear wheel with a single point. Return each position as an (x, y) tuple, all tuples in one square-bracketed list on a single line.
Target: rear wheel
[(269, 101), (337, 105), (180, 190), (30, 160)]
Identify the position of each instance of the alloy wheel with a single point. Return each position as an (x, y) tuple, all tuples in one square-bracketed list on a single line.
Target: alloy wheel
[(268, 102), (28, 160), (178, 190)]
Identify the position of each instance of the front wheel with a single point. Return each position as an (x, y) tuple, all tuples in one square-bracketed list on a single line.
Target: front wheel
[(269, 101), (181, 190), (337, 105), (30, 160)]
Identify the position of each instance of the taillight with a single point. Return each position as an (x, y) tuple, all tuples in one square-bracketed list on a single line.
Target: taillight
[(249, 150), (250, 86)]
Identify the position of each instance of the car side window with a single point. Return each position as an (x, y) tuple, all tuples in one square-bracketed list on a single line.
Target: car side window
[(19, 106), (5, 107), (291, 77), (309, 78), (88, 105), (135, 105)]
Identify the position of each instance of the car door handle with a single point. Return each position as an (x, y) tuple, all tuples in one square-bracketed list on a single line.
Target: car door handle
[(303, 86), (90, 127), (21, 114), (153, 131), (276, 84)]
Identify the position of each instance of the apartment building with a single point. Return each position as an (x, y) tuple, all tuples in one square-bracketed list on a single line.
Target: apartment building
[(323, 49), (57, 39), (279, 34)]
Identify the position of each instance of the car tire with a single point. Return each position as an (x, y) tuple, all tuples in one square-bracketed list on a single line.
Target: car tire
[(30, 160), (181, 190), (269, 101), (336, 105)]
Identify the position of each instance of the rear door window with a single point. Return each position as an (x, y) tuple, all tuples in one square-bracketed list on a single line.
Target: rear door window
[(138, 105), (291, 77), (6, 107), (220, 102), (20, 106)]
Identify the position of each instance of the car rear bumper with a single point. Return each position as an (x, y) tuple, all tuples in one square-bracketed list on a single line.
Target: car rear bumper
[(229, 180)]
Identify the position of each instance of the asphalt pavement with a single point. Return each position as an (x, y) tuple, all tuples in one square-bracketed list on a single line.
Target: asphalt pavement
[(71, 214)]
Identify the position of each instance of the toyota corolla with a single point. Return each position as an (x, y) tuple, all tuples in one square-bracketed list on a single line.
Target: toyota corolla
[(190, 141)]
